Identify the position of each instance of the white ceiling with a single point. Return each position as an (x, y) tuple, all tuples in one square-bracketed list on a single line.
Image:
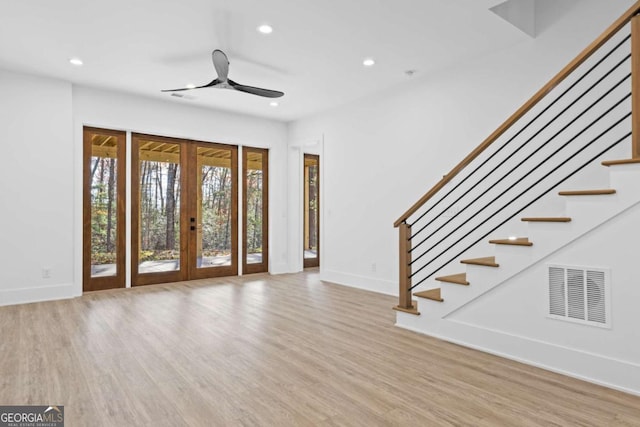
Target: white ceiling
[(314, 54)]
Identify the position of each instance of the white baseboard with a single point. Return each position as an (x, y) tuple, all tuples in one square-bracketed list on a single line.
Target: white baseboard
[(279, 268), (43, 293), (360, 282), (594, 368)]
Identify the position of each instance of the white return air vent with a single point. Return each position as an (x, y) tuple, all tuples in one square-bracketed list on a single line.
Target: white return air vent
[(580, 294)]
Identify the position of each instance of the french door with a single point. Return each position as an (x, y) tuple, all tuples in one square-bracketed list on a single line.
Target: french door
[(184, 210)]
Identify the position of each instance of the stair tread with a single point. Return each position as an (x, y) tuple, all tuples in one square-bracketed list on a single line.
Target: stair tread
[(520, 241), (489, 261), (587, 192), (460, 279), (620, 162), (413, 310), (432, 294), (547, 219)]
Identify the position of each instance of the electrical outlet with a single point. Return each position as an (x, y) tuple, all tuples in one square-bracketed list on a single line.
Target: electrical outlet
[(46, 273), (373, 267)]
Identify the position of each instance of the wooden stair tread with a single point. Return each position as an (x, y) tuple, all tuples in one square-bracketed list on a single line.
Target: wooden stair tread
[(620, 162), (520, 241), (489, 261), (459, 279), (413, 310), (432, 294), (587, 192), (547, 219)]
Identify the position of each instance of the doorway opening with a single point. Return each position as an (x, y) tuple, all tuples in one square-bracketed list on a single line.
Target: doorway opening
[(311, 209)]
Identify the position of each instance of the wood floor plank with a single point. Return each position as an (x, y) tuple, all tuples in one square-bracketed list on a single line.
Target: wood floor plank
[(271, 350)]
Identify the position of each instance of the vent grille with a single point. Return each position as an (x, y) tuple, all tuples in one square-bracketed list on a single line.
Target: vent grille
[(575, 293), (557, 297), (579, 294), (595, 297)]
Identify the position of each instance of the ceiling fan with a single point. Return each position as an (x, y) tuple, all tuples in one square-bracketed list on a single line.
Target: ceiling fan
[(221, 64)]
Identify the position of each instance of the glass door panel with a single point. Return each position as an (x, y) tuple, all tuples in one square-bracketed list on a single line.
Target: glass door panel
[(255, 192), (184, 210), (157, 185), (214, 227), (104, 188), (311, 209)]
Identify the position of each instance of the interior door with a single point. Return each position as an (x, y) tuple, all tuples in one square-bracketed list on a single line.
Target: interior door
[(311, 210), (103, 209), (184, 210)]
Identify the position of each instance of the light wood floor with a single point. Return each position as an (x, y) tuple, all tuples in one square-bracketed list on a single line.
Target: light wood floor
[(274, 351)]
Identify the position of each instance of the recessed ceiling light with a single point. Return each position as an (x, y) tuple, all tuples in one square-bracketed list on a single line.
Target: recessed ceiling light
[(265, 29), (190, 86), (369, 62), (274, 104), (76, 61)]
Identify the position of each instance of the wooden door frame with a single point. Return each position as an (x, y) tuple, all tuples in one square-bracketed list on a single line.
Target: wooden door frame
[(118, 281), (192, 188), (264, 265), (138, 279), (311, 262)]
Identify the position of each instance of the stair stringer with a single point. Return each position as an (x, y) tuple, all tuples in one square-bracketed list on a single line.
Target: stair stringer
[(587, 213)]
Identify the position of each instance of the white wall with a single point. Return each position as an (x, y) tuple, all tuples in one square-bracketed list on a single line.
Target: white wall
[(36, 183), (418, 132), (94, 107)]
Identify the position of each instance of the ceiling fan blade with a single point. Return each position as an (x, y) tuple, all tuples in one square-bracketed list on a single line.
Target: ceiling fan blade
[(221, 63), (176, 90), (213, 83), (267, 93)]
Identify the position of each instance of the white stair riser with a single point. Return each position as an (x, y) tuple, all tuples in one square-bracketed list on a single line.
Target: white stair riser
[(509, 254), (480, 275), (549, 234), (600, 206), (550, 204), (624, 179)]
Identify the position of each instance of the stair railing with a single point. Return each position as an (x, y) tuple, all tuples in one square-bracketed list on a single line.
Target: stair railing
[(425, 241)]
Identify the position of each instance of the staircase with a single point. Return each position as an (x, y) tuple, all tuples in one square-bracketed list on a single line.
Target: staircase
[(470, 278), (565, 164)]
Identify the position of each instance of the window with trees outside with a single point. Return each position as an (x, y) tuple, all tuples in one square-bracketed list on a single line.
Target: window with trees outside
[(159, 196), (255, 214), (104, 210)]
